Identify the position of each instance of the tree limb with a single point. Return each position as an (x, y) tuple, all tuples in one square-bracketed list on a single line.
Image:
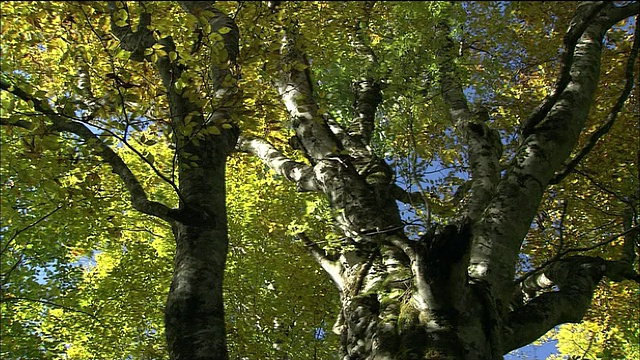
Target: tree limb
[(367, 98), (50, 303), (137, 41), (611, 118), (19, 123), (507, 218), (217, 21), (293, 84), (576, 279), (569, 304), (410, 198), (485, 147), (299, 173), (331, 266), (631, 238), (562, 254), (15, 235), (138, 195), (582, 17), (366, 90)]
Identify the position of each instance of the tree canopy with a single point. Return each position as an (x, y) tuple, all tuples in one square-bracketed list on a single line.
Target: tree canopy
[(392, 179)]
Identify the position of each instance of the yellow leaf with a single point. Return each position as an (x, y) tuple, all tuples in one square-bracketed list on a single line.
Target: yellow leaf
[(122, 14)]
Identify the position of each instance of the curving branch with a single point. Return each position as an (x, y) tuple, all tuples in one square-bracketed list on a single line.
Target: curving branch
[(485, 147), (576, 278), (628, 232), (138, 195), (294, 171), (410, 198), (611, 118), (330, 265), (584, 14)]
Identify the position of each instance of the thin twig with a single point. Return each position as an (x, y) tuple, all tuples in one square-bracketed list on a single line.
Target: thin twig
[(18, 232), (50, 303), (562, 254)]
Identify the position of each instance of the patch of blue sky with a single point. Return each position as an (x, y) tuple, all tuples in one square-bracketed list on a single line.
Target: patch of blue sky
[(534, 352), (319, 333)]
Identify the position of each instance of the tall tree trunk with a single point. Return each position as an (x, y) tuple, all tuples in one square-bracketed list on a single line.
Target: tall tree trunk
[(194, 314)]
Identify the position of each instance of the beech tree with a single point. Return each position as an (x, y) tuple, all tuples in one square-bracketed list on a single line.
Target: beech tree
[(338, 113)]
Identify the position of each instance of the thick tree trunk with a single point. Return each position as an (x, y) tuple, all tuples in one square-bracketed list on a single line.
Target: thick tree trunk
[(379, 327), (394, 308), (194, 314)]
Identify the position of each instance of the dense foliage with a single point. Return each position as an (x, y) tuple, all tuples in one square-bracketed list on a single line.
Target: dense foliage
[(85, 272)]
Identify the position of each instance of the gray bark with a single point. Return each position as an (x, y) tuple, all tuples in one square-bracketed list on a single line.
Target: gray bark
[(448, 295)]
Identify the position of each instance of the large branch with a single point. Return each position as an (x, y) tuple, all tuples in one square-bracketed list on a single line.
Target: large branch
[(584, 14), (507, 218), (217, 19), (367, 98), (138, 195), (484, 145), (220, 64), (293, 84), (136, 41), (611, 118), (576, 278), (366, 90)]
